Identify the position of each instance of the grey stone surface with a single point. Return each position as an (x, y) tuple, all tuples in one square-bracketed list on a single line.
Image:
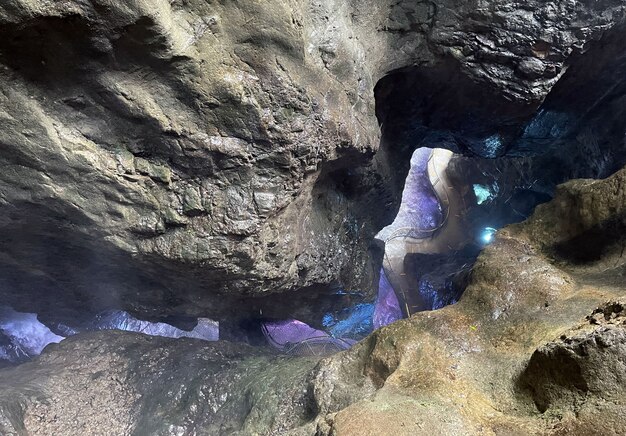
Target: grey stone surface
[(120, 383), (581, 364)]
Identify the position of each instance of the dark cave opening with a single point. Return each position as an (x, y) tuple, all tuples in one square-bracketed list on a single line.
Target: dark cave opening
[(439, 106), (593, 244), (451, 206)]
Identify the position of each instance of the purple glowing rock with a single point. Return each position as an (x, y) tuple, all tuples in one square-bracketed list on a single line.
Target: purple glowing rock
[(284, 333), (206, 329), (387, 308), (420, 211), (298, 338), (22, 335)]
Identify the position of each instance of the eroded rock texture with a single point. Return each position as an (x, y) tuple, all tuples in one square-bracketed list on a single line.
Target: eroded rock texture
[(158, 152), (174, 157), (584, 370)]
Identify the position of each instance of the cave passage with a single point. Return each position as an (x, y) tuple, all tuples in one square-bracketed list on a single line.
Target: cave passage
[(430, 221), (451, 208)]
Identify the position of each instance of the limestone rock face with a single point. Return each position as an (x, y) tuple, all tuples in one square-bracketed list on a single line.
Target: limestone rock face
[(158, 153), (176, 156), (582, 364)]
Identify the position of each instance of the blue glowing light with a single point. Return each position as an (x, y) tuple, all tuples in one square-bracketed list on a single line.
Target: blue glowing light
[(482, 194), (487, 234)]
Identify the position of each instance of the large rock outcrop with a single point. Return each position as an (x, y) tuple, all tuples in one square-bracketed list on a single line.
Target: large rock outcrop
[(176, 157), (157, 153)]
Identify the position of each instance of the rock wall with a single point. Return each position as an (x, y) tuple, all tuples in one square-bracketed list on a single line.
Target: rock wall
[(204, 389), (158, 153)]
